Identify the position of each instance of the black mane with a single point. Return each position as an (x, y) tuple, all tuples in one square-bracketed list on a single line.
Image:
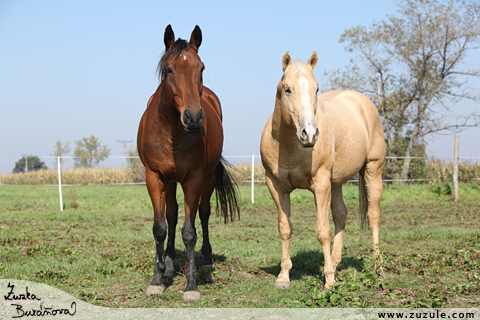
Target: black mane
[(173, 53)]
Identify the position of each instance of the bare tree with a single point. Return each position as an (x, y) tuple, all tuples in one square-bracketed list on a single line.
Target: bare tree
[(413, 66)]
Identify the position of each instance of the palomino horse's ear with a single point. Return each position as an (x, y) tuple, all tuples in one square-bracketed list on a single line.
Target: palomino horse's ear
[(286, 60), (313, 60), (168, 38), (196, 38)]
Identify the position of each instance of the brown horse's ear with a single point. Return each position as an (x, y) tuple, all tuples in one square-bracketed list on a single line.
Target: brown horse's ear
[(196, 38), (168, 38), (286, 60), (313, 60)]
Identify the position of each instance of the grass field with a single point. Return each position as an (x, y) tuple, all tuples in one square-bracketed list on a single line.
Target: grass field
[(101, 249)]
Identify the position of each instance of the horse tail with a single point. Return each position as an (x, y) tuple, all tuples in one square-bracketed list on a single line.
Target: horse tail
[(363, 203), (226, 192)]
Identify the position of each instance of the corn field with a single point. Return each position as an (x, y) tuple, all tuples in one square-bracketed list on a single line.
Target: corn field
[(438, 171)]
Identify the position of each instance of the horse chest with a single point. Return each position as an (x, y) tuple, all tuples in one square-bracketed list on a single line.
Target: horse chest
[(177, 159), (295, 177)]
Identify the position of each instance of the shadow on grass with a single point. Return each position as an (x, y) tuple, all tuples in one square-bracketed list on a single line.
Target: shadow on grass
[(310, 263), (180, 265)]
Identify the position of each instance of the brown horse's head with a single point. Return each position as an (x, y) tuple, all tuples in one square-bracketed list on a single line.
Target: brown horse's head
[(181, 74), (298, 91)]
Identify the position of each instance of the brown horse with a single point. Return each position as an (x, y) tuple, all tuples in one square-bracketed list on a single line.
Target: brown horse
[(319, 142), (180, 139)]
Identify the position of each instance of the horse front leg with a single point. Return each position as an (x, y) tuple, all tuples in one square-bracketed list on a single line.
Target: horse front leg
[(192, 191), (322, 191), (282, 200), (156, 190)]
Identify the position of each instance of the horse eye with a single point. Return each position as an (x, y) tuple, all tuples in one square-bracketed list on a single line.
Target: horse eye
[(318, 89), (169, 70), (203, 68), (288, 90)]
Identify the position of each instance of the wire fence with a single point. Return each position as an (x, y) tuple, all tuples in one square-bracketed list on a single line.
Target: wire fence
[(253, 179)]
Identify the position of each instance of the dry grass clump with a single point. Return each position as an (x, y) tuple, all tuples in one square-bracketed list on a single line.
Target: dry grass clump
[(81, 176), (242, 173), (442, 171)]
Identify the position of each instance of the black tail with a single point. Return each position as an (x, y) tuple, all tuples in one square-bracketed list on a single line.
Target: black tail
[(226, 192)]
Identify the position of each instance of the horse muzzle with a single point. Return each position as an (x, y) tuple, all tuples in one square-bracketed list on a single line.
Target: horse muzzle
[(308, 136), (193, 123)]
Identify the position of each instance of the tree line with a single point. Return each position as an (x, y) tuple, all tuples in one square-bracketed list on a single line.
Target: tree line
[(88, 153), (413, 66)]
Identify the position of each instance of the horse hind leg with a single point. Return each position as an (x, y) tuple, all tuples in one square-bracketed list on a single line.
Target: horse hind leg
[(371, 178), (205, 211), (339, 213), (172, 219)]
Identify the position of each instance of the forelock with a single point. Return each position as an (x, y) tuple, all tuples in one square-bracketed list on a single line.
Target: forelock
[(173, 53), (298, 66)]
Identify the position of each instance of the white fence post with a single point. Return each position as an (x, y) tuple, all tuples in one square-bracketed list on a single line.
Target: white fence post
[(253, 178), (60, 185), (455, 167)]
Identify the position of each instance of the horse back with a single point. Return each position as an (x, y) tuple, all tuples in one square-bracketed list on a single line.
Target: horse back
[(358, 131)]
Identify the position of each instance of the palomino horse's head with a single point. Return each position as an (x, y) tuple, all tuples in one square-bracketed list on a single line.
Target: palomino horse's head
[(298, 91), (181, 72)]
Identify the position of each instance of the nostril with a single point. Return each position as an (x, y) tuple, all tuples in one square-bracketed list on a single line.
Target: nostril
[(200, 115), (317, 133), (187, 116), (304, 134)]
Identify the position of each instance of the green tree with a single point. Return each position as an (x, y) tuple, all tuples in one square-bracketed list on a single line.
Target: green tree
[(32, 163), (89, 152), (413, 67), (60, 151)]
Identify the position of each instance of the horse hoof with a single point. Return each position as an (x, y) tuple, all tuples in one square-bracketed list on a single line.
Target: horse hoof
[(282, 285), (168, 274), (191, 296), (155, 290)]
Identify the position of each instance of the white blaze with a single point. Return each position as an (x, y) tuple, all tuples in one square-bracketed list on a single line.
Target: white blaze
[(305, 100)]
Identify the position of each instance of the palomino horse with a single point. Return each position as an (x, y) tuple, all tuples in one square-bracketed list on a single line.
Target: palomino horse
[(319, 142), (180, 139)]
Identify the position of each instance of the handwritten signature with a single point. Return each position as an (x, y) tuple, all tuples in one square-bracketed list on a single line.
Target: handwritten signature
[(41, 312)]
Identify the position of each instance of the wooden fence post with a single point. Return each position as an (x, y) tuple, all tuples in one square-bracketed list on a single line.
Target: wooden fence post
[(455, 167)]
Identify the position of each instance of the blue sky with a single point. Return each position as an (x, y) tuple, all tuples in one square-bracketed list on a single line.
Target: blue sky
[(71, 69)]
